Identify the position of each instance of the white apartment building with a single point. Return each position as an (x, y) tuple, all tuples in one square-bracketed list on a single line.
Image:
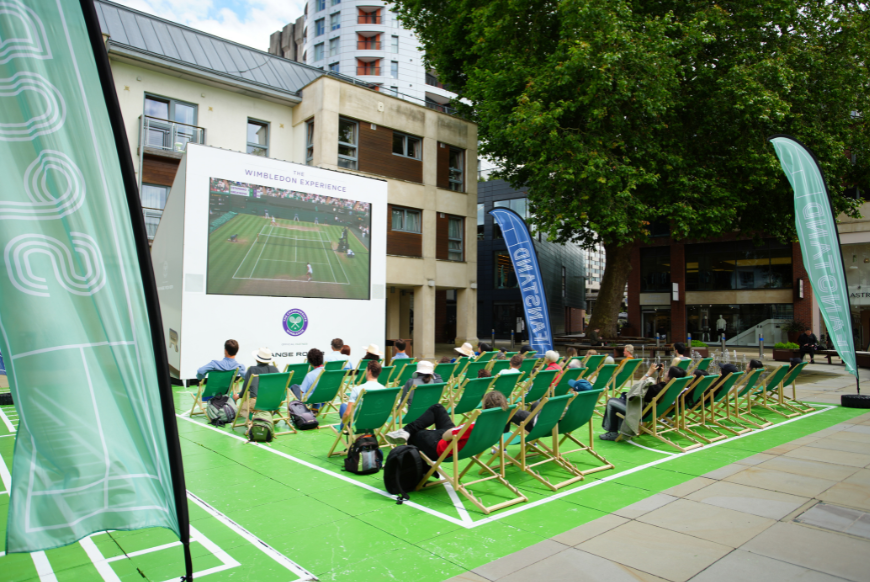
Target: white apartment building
[(361, 39)]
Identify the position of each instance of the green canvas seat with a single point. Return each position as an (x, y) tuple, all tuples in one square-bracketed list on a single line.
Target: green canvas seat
[(324, 391), (707, 413), (506, 383), (792, 403), (702, 364), (528, 366), (401, 377), (605, 374), (468, 396), (498, 366), (509, 355), (487, 431), (743, 402), (578, 414), (624, 375), (445, 370), (473, 368), (372, 411), (299, 370), (273, 392), (421, 398), (399, 366), (217, 383), (592, 363), (486, 356), (538, 387), (657, 417), (335, 365), (563, 387), (684, 364), (383, 377)]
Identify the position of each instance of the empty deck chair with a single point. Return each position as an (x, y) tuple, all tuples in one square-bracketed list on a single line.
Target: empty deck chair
[(767, 395), (418, 399), (335, 365), (445, 371), (537, 387), (792, 402), (702, 364), (742, 393), (706, 412), (401, 378), (577, 415)]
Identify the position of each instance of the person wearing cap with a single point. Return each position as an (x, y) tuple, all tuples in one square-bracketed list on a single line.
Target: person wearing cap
[(315, 360), (231, 348), (425, 374), (525, 351), (263, 356), (465, 350)]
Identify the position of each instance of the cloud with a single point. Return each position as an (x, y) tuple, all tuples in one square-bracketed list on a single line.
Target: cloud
[(248, 22)]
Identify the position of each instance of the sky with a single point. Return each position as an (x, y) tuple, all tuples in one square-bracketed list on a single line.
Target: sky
[(248, 22)]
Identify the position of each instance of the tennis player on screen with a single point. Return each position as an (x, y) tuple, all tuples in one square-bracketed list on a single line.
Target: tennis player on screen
[(310, 272)]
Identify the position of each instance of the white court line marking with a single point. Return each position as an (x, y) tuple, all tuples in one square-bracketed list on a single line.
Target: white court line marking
[(457, 503), (258, 257), (5, 477), (97, 559), (8, 424), (248, 253), (331, 270), (3, 436), (338, 258), (526, 506), (288, 280), (631, 442), (43, 567)]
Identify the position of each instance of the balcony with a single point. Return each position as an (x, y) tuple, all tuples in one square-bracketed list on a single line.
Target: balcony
[(369, 19), (368, 45), (167, 137), (375, 71), (440, 107), (433, 81)]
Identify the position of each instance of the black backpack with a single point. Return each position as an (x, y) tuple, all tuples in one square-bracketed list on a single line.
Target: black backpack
[(303, 419), (403, 471), (364, 457)]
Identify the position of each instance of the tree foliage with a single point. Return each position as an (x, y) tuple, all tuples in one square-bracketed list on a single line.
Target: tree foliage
[(620, 114)]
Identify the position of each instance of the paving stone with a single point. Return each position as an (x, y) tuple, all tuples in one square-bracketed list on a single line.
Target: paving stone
[(861, 527), (689, 487), (781, 481), (748, 567), (587, 531), (573, 564), (519, 560), (830, 456), (467, 577), (761, 502), (755, 459), (635, 510), (809, 468), (716, 524), (724, 472), (830, 517)]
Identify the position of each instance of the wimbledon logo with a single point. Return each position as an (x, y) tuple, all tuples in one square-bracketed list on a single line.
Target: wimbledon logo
[(295, 322)]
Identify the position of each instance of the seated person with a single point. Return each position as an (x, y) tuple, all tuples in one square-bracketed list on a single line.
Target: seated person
[(425, 374), (483, 347), (698, 374), (612, 422), (809, 344), (400, 346), (373, 370), (551, 359), (315, 360), (754, 365), (524, 352), (681, 353), (334, 353), (484, 374), (594, 338), (724, 371), (433, 442), (515, 362), (229, 362), (608, 360), (628, 351), (445, 360), (264, 366), (373, 353), (501, 355), (345, 352), (465, 350), (578, 385)]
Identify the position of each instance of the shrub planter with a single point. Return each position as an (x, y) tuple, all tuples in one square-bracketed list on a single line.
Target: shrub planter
[(782, 355)]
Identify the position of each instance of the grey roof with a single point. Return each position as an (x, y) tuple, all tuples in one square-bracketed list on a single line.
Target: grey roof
[(173, 42)]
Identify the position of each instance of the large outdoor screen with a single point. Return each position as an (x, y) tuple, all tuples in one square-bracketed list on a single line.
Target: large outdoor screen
[(285, 243)]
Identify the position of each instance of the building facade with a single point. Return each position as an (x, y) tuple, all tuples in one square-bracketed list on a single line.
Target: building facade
[(500, 302), (178, 85), (362, 39)]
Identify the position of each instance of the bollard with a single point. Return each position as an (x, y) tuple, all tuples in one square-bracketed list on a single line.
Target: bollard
[(512, 340), (724, 350), (761, 348), (657, 340), (689, 340), (493, 338)]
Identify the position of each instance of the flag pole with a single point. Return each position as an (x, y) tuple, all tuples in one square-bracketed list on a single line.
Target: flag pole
[(149, 286)]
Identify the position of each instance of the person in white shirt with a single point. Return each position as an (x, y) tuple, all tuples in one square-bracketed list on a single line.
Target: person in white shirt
[(335, 353), (516, 362), (310, 271), (373, 370)]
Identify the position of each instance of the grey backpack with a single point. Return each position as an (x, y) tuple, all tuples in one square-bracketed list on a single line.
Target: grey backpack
[(220, 410)]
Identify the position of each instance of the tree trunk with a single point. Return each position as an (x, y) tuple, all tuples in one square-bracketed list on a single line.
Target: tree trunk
[(617, 266)]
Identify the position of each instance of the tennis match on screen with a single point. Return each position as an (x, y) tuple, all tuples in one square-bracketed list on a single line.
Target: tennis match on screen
[(285, 243)]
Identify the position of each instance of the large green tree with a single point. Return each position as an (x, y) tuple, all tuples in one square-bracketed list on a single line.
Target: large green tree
[(622, 115)]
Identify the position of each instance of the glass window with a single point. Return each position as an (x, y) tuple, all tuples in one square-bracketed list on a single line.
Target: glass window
[(564, 283), (335, 21), (406, 220), (457, 165), (335, 2), (655, 269), (258, 138), (309, 142), (347, 143), (741, 324), (505, 277), (318, 52), (394, 44), (394, 69), (319, 26), (334, 67), (738, 265), (153, 201), (334, 44), (481, 215), (155, 107), (454, 238), (171, 123), (407, 146), (320, 5)]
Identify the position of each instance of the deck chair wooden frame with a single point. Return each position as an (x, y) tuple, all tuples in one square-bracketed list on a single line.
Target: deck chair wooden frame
[(467, 397), (334, 365), (742, 391), (528, 367), (273, 393), (701, 364), (767, 395), (488, 432), (371, 413), (623, 375), (684, 364), (421, 397), (696, 390), (707, 412), (486, 356), (562, 387), (792, 402), (461, 363), (384, 376), (658, 418), (446, 371), (473, 368), (579, 413), (537, 387), (496, 366), (217, 383), (401, 377), (400, 365), (602, 381), (325, 390), (506, 384)]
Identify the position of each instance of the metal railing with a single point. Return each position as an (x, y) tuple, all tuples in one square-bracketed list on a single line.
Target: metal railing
[(368, 70), (368, 19), (433, 81), (440, 107), (162, 134), (368, 45)]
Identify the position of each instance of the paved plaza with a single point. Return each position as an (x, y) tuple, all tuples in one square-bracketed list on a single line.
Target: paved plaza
[(788, 502)]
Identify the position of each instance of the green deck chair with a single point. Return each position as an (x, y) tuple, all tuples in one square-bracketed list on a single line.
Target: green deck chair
[(335, 365), (399, 366), (605, 375), (422, 397), (528, 366), (401, 377), (706, 413), (468, 396), (445, 371), (509, 355), (578, 414), (743, 411), (562, 387), (461, 363), (299, 370), (684, 364), (592, 364), (473, 368), (372, 412), (657, 418), (506, 384), (383, 377), (624, 375), (793, 403), (538, 388), (486, 356), (566, 363), (324, 391), (487, 431), (273, 392), (693, 395), (702, 364), (498, 366), (217, 383)]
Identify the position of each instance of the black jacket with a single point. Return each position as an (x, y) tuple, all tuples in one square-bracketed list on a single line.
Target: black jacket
[(808, 340)]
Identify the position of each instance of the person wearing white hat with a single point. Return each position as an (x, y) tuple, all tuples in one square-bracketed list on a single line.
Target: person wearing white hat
[(315, 360), (372, 353), (263, 356), (425, 374)]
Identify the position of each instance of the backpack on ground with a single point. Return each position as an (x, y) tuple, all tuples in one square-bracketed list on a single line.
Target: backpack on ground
[(220, 410), (262, 428), (301, 416), (364, 457), (403, 471)]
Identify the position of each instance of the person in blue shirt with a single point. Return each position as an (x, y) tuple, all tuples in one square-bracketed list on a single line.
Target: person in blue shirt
[(315, 360), (335, 353), (231, 348), (400, 345)]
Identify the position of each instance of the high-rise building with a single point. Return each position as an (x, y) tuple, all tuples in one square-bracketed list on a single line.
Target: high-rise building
[(365, 40)]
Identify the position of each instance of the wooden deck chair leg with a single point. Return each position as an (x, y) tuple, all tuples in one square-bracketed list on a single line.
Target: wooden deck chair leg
[(340, 435), (239, 414), (197, 400)]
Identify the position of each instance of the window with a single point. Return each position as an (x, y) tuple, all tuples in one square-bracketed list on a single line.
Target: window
[(407, 146), (394, 69), (334, 44), (454, 238), (309, 142), (406, 220), (335, 2), (481, 215), (394, 44), (153, 202), (457, 163), (318, 52), (347, 143), (564, 283), (172, 123), (738, 265), (335, 21), (655, 270), (258, 138), (334, 67), (505, 277), (319, 26), (320, 5)]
